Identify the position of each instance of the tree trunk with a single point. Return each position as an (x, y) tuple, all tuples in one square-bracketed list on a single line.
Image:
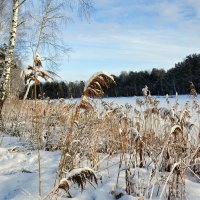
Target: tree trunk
[(8, 61)]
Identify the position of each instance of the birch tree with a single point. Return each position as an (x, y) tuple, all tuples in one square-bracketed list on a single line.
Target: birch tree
[(48, 18), (47, 21), (8, 61)]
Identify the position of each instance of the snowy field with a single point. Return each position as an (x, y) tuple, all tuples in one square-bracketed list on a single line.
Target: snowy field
[(19, 176), (19, 170), (132, 100)]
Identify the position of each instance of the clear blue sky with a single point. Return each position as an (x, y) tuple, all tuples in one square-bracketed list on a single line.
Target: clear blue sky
[(125, 35)]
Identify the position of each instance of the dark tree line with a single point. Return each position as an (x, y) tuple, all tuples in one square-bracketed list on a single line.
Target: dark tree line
[(159, 82), (55, 90)]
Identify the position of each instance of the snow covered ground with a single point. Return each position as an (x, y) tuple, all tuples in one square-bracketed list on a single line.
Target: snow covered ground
[(19, 170), (19, 176), (182, 99)]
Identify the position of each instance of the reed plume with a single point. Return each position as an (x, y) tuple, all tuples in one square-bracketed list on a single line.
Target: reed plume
[(93, 89)]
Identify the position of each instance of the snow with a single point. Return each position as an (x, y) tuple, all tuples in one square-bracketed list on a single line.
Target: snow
[(162, 99), (19, 185), (193, 190), (19, 169), (182, 99)]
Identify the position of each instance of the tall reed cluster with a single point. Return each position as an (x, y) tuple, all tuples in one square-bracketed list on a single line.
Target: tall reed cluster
[(154, 149)]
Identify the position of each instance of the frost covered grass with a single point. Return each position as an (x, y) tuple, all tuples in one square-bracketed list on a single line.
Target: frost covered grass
[(147, 149)]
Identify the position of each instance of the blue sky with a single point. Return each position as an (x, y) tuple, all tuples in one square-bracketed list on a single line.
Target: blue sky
[(131, 35)]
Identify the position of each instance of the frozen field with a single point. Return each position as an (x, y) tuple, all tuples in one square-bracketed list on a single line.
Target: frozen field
[(182, 99), (19, 176), (19, 168)]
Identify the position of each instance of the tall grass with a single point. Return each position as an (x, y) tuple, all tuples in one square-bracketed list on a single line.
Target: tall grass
[(156, 148)]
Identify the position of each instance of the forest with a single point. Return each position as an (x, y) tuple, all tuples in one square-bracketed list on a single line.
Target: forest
[(159, 82)]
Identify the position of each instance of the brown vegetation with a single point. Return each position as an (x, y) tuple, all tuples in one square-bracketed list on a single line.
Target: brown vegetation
[(163, 141)]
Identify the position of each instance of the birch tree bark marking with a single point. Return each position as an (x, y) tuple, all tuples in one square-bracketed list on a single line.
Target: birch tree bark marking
[(6, 74), (8, 62)]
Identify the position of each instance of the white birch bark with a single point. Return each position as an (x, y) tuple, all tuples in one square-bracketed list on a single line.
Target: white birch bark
[(8, 62)]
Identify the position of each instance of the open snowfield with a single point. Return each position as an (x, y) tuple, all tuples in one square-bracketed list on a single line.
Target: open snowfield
[(162, 99), (19, 170), (19, 176)]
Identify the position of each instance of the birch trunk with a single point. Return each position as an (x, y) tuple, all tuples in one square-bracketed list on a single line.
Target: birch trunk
[(8, 62)]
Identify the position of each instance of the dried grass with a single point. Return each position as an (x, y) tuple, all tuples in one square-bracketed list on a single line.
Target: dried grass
[(163, 141)]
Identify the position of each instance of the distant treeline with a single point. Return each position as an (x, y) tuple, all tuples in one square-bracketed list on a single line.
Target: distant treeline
[(55, 90), (159, 82)]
